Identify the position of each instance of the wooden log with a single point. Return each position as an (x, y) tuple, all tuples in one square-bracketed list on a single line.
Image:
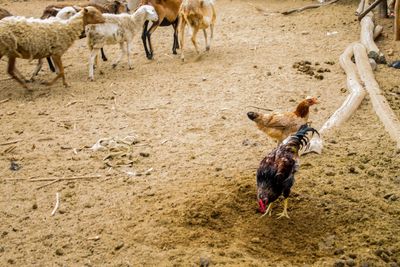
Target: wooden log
[(367, 39), (379, 102), (383, 9), (349, 106), (377, 31), (397, 21)]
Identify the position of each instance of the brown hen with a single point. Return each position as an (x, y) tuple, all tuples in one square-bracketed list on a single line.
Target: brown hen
[(280, 125)]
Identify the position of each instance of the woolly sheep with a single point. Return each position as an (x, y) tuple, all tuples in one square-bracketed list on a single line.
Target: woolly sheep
[(199, 14), (31, 38), (66, 12), (63, 14), (104, 6), (118, 29)]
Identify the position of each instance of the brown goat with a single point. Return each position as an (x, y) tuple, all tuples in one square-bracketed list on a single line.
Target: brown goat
[(4, 13), (167, 11), (199, 15)]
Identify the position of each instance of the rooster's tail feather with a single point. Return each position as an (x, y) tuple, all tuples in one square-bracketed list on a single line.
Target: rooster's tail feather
[(300, 139)]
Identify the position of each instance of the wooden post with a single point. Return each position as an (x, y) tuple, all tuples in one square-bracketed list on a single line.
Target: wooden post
[(397, 21), (383, 9)]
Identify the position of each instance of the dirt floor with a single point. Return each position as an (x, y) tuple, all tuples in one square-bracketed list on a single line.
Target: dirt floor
[(183, 194)]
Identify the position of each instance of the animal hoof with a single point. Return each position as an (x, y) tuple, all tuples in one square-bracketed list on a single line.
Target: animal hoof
[(174, 52), (66, 85), (149, 56), (207, 48), (114, 66)]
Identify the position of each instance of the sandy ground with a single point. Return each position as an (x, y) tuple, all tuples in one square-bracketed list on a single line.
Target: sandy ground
[(196, 205)]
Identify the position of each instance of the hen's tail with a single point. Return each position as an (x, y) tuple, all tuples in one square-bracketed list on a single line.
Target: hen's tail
[(300, 139)]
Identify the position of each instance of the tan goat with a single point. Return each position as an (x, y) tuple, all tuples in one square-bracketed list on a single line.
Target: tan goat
[(199, 14)]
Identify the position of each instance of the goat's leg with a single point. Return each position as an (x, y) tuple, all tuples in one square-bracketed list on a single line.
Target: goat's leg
[(11, 71), (206, 40), (213, 19), (181, 31), (211, 35), (150, 32), (37, 69), (194, 36), (121, 55), (58, 63), (92, 59), (175, 42), (103, 56), (144, 39), (151, 56)]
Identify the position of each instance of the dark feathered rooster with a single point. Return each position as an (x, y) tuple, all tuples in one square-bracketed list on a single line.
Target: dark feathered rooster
[(275, 176)]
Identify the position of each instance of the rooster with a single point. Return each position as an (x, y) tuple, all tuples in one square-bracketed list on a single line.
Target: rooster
[(275, 176), (281, 125)]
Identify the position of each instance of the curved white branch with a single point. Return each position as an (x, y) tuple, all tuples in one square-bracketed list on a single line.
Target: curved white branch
[(349, 106), (379, 102), (367, 38), (57, 204)]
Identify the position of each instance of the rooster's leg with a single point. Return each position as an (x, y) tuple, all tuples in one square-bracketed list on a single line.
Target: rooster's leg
[(269, 210), (284, 212)]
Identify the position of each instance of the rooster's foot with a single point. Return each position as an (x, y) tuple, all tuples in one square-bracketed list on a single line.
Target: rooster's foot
[(284, 212), (268, 211)]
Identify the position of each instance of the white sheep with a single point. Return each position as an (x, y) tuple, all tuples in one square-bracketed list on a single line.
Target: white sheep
[(199, 14), (118, 29), (31, 38), (63, 14)]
